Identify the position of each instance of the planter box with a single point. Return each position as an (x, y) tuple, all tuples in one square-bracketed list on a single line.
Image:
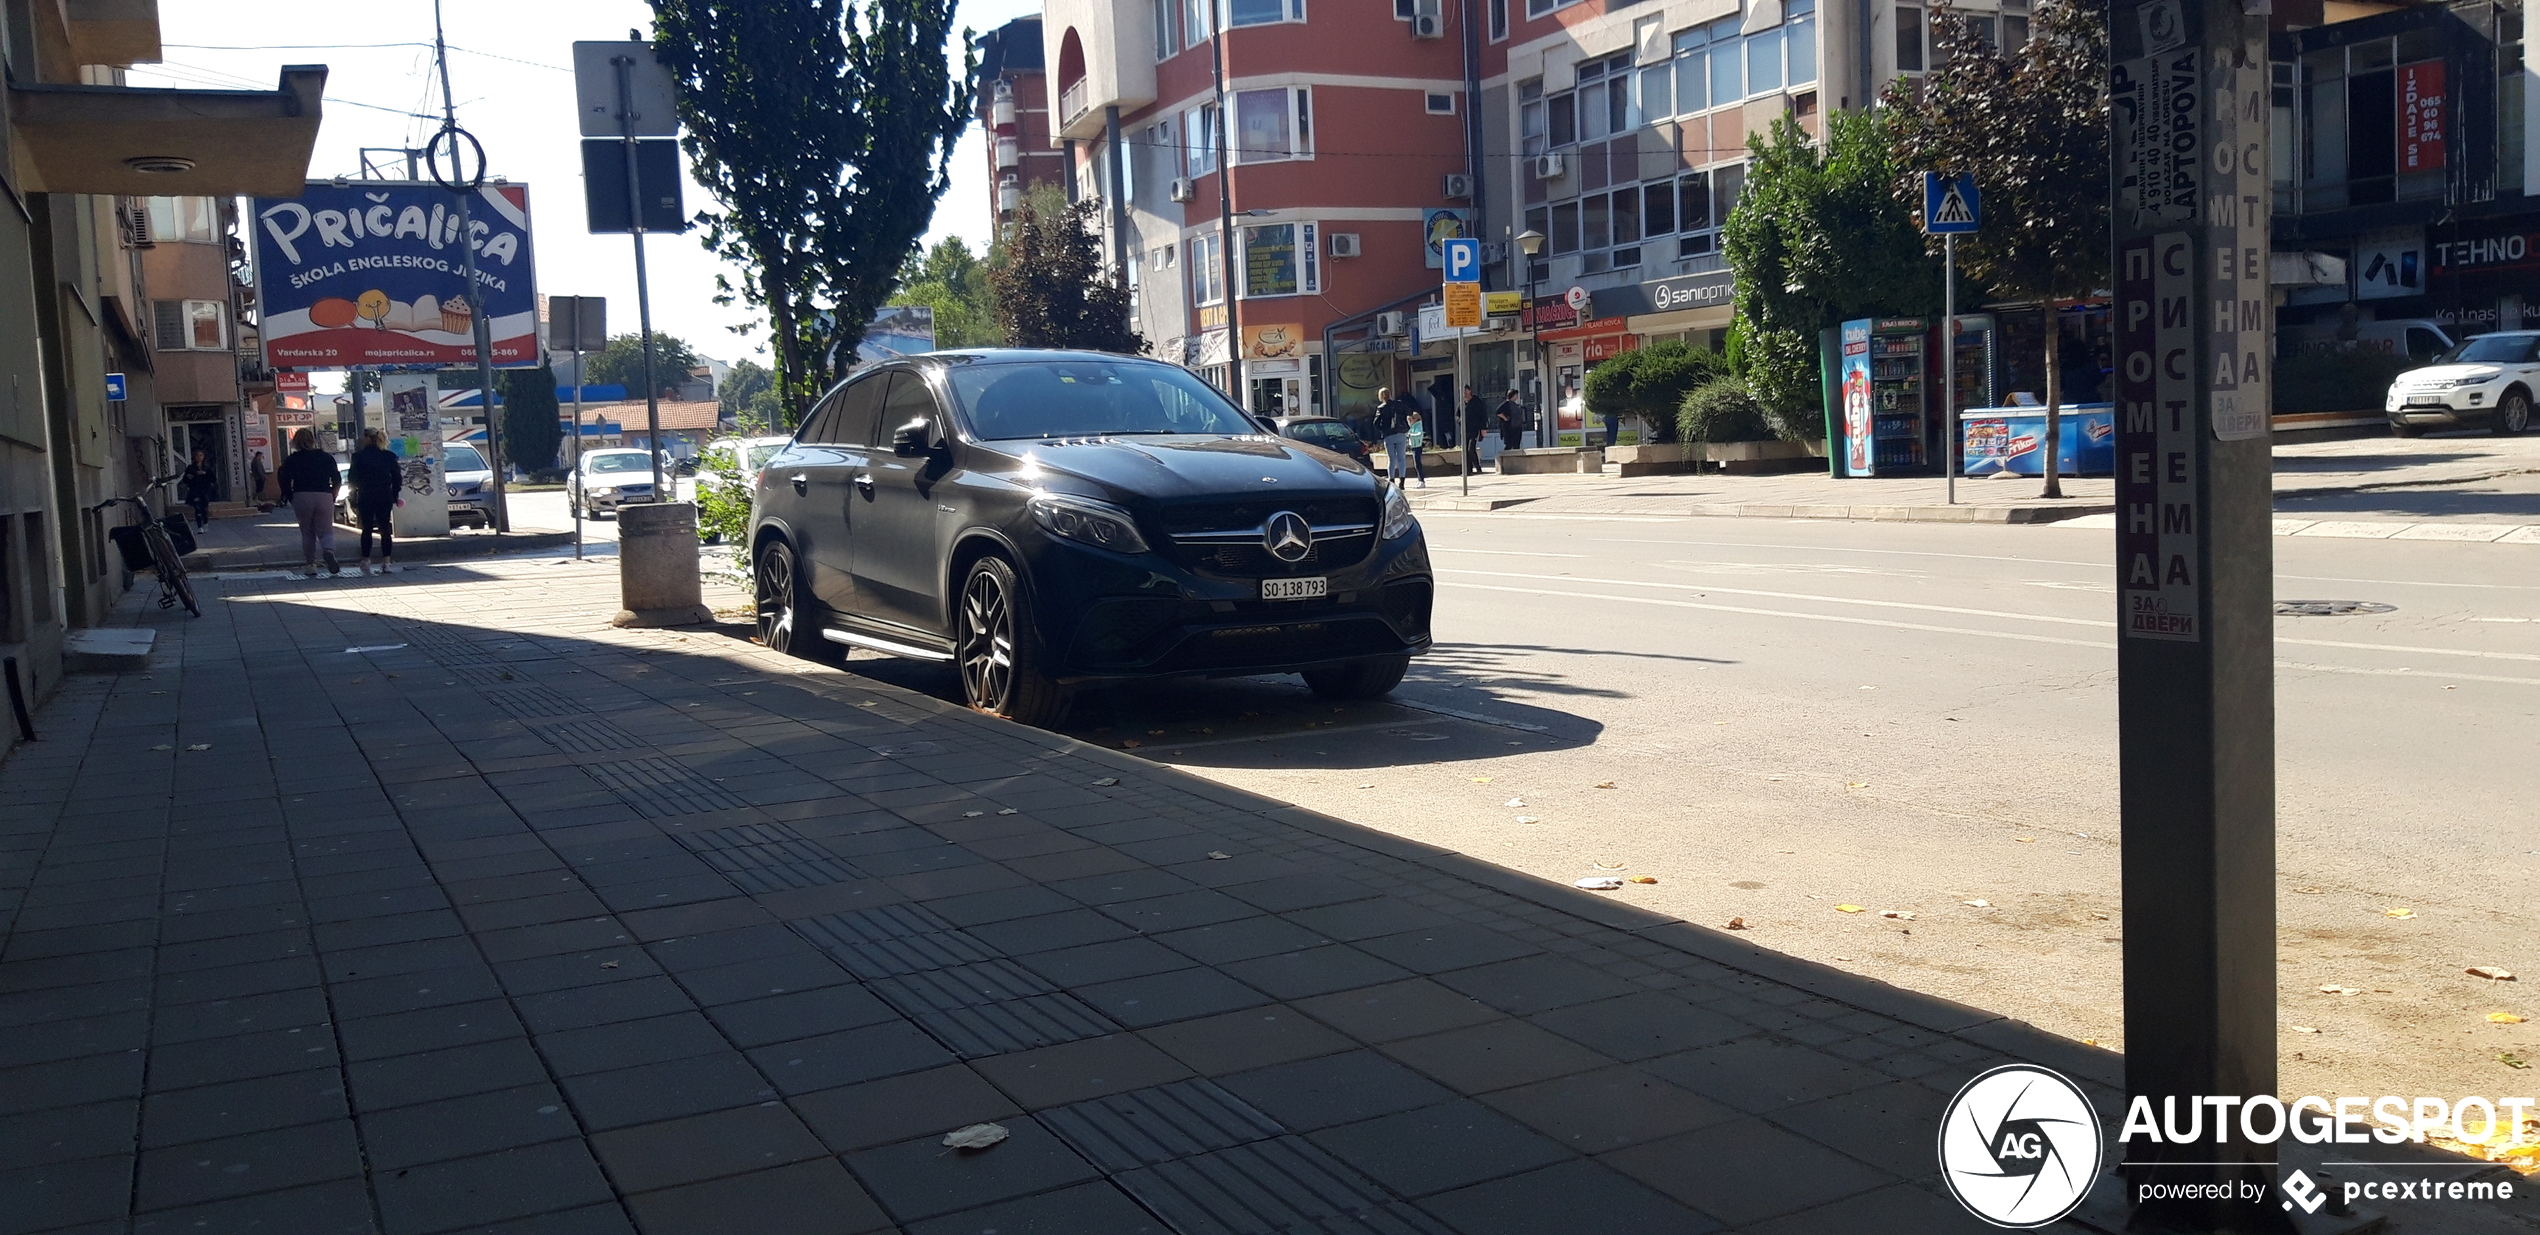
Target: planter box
[(1656, 460), (1547, 461), (1755, 458)]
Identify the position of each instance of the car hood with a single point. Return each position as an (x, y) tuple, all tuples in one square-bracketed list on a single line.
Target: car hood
[(468, 478), (1167, 469), (2447, 374)]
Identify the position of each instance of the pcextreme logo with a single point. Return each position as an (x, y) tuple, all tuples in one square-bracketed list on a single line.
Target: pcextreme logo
[(2019, 1146)]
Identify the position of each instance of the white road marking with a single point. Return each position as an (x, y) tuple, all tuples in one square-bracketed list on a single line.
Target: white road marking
[(2407, 673), (1812, 617), (1500, 552), (2110, 566), (1830, 600), (2417, 651)]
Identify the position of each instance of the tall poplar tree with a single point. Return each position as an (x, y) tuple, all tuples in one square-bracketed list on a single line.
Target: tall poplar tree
[(825, 132)]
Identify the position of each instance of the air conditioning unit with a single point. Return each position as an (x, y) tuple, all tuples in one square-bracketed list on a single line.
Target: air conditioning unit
[(1550, 167), (1425, 20), (1458, 187), (1182, 190), (1344, 244), (1392, 324)]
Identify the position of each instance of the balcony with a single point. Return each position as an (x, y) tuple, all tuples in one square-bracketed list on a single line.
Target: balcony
[(1073, 103), (138, 142)]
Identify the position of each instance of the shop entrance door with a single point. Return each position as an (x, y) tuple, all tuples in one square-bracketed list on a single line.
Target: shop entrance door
[(1277, 396)]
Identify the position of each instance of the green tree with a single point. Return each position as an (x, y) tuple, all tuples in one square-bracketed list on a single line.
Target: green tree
[(533, 428), (825, 133), (621, 363), (1054, 288), (2031, 123), (953, 281), (748, 395), (1817, 238)]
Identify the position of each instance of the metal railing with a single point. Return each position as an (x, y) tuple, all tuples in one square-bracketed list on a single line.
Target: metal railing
[(1074, 102)]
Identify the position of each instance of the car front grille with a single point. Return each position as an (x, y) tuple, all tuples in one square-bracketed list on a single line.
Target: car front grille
[(1225, 516), (1225, 538)]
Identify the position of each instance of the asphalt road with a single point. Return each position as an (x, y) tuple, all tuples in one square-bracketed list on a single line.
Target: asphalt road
[(546, 510), (1774, 719)]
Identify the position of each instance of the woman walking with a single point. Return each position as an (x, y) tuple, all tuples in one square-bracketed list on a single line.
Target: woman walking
[(196, 490), (308, 480), (376, 476)]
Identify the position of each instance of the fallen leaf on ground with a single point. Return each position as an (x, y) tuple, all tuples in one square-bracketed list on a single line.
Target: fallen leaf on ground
[(1528, 819), (1106, 781), (1366, 786), (1514, 802), (608, 964), (1009, 811), (2333, 989), (1130, 743), (1219, 855), (200, 746), (1481, 780), (1155, 733), (2308, 891), (1896, 913), (2304, 1029), (1847, 909), (2510, 1060), (2399, 913), (976, 1136), (1605, 784), (1610, 866), (2504, 1018), (2490, 972), (1843, 958), (2098, 917), (1856, 784), (972, 814), (1979, 903), (1738, 924), (2025, 840), (163, 746), (1644, 879), (1599, 883)]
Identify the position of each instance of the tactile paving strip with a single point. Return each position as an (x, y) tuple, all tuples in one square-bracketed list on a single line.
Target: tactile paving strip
[(991, 1008), (784, 864), (892, 941), (533, 703), (584, 737), (1145, 1127), (661, 787), (1278, 1185), (736, 838)]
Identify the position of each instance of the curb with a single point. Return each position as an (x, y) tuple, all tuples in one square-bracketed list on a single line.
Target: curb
[(432, 549)]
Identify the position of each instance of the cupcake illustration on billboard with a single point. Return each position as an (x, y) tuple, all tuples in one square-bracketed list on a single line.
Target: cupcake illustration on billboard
[(376, 273)]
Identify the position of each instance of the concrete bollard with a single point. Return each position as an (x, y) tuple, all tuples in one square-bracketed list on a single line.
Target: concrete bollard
[(657, 576)]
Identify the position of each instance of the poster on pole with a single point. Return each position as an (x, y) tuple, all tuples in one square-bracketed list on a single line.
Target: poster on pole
[(370, 272), (897, 330)]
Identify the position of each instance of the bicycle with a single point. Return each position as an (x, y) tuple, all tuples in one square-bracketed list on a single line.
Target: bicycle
[(156, 549)]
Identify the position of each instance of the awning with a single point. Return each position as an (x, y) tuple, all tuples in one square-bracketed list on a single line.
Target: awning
[(168, 143)]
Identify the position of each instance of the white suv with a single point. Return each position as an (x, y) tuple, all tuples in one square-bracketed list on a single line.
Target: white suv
[(2487, 380)]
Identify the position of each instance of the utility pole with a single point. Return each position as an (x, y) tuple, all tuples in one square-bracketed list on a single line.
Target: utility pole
[(465, 186), (625, 66), (2188, 107)]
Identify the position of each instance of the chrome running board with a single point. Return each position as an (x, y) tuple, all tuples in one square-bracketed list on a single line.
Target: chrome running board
[(885, 646)]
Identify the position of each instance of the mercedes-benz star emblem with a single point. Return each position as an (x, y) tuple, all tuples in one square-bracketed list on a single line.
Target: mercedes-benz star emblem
[(1287, 537)]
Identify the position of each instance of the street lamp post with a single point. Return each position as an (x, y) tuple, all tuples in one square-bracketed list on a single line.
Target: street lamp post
[(1530, 242)]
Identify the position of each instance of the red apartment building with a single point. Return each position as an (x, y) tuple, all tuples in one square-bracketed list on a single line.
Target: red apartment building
[(1014, 110), (1613, 130)]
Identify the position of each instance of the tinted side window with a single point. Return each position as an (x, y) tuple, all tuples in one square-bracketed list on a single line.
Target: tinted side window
[(817, 420), (845, 418), (909, 400)]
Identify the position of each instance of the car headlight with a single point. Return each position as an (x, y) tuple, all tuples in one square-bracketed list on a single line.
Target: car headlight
[(603, 490), (1398, 520), (1087, 521)]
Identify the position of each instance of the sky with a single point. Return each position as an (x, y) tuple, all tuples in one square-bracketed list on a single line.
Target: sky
[(510, 73)]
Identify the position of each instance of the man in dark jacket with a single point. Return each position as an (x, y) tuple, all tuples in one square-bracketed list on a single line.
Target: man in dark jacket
[(1512, 420), (308, 480), (377, 475), (196, 488), (1476, 417)]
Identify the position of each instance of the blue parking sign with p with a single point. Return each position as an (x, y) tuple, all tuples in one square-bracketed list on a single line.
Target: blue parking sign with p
[(1951, 205), (1463, 259)]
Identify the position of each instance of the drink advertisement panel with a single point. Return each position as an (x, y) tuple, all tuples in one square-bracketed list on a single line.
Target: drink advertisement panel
[(1858, 457), (371, 273)]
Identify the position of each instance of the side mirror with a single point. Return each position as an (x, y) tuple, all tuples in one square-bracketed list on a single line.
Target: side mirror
[(910, 441)]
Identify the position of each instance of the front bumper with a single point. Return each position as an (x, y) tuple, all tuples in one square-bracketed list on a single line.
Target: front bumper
[(1108, 617), (2441, 408), (623, 495)]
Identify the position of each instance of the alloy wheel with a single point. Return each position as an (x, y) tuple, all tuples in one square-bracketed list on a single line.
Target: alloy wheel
[(986, 648), (776, 608), (2515, 415)]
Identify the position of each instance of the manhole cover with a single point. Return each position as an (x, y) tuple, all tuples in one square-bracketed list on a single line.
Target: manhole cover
[(2330, 608)]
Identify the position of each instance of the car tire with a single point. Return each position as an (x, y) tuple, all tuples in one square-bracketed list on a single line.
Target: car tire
[(2400, 430), (789, 620), (993, 648), (1359, 679), (2512, 415)]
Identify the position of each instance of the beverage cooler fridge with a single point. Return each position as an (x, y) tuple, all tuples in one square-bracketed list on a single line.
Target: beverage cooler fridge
[(1888, 402)]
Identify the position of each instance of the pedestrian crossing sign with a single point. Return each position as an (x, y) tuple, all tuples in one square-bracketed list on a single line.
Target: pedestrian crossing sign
[(1951, 205)]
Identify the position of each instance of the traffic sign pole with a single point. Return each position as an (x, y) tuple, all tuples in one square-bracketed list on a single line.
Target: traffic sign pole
[(1949, 359)]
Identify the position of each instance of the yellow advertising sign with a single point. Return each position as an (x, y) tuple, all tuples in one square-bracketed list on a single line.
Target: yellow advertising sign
[(1503, 304), (1279, 342), (1463, 305)]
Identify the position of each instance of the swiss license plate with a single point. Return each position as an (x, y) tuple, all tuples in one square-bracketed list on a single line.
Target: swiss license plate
[(1295, 589)]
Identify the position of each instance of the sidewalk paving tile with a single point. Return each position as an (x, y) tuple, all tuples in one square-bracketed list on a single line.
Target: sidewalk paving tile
[(570, 929)]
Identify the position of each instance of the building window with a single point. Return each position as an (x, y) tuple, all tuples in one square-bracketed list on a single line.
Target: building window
[(1728, 78), (1441, 104), (1909, 39), (1799, 20), (1263, 12), (1533, 133), (1764, 61), (1208, 275), (1271, 125), (1537, 8), (1200, 140), (1498, 20), (1168, 30), (1402, 9), (1692, 58), (1565, 230), (1703, 202), (189, 325), (1279, 260), (1198, 21), (192, 219)]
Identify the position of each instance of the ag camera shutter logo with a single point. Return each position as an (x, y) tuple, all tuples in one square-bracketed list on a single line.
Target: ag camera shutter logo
[(2020, 1146)]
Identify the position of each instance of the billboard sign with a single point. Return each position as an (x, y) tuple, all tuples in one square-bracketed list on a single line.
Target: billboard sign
[(898, 330), (370, 273)]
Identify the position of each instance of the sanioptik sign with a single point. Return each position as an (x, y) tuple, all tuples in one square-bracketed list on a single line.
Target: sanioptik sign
[(370, 272)]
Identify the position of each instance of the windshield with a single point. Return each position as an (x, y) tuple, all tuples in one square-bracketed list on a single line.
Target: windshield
[(1091, 398), (759, 455), (2491, 349), (1331, 435), (461, 459), (633, 461)]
